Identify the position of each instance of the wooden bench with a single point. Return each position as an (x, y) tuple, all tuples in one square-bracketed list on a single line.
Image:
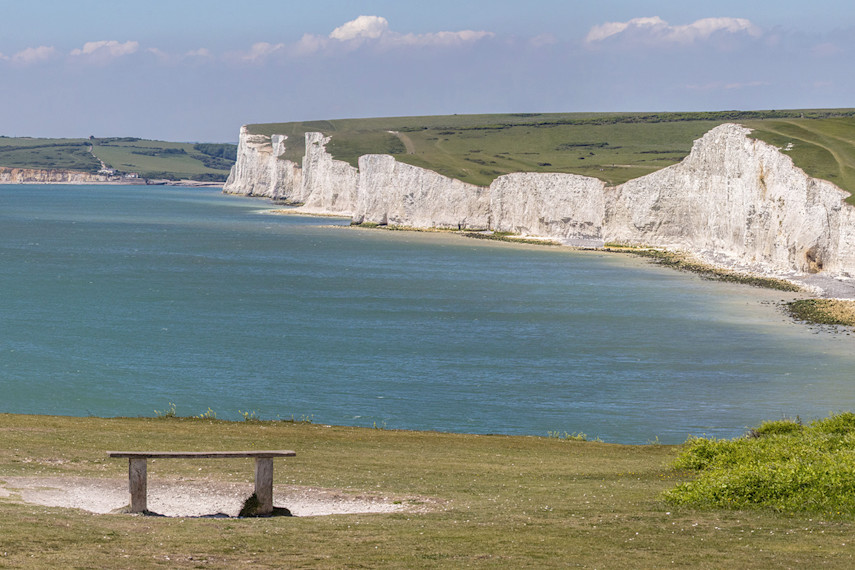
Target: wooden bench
[(138, 485)]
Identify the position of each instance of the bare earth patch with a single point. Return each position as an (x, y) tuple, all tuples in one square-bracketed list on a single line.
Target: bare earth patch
[(185, 498)]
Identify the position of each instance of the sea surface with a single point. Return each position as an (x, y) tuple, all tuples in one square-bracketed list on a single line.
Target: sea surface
[(118, 301)]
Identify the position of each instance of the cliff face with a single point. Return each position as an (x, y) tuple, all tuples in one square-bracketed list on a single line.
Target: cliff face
[(733, 200), (736, 200), (391, 192), (566, 207), (329, 185), (33, 176), (259, 170)]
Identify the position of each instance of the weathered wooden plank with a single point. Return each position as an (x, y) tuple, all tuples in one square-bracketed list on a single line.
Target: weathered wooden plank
[(138, 484), (199, 454), (264, 484)]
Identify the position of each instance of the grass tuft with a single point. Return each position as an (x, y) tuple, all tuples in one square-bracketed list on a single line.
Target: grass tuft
[(566, 436), (168, 413)]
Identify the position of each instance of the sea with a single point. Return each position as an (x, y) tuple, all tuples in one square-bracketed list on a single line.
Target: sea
[(136, 300)]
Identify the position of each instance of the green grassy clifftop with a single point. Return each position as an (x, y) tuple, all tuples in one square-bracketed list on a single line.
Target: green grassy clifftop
[(612, 147)]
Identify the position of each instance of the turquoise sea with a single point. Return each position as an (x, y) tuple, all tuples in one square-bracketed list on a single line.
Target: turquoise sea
[(118, 300)]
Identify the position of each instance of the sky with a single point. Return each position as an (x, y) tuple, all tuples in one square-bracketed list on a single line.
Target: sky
[(191, 70)]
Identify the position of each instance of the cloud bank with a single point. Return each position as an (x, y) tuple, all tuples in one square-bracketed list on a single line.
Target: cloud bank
[(33, 55), (105, 49), (656, 30), (375, 31)]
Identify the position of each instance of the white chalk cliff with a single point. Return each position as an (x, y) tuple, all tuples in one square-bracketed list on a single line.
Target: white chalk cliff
[(250, 174), (260, 170), (329, 185), (739, 201), (10, 175), (395, 193), (733, 200), (566, 207)]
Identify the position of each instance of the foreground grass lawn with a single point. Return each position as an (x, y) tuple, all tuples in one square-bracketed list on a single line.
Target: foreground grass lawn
[(489, 500)]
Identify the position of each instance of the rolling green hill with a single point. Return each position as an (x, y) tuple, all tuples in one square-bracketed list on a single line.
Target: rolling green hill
[(612, 147), (148, 158)]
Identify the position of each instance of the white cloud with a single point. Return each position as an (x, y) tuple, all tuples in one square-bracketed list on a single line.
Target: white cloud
[(33, 55), (375, 30), (175, 58), (310, 43), (438, 38), (364, 27), (105, 50), (702, 29), (609, 29), (160, 54), (656, 30), (261, 50), (371, 31)]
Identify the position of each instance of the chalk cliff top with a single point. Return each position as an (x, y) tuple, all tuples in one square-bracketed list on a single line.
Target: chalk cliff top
[(611, 147)]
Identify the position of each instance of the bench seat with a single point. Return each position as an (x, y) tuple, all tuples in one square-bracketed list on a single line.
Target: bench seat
[(137, 472), (199, 454)]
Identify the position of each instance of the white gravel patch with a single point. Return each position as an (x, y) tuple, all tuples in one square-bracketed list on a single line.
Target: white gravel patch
[(187, 498)]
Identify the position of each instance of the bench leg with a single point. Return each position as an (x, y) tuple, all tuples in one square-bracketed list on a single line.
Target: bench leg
[(264, 484), (137, 484)]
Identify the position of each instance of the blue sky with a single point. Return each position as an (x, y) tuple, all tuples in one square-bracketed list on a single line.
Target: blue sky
[(197, 70)]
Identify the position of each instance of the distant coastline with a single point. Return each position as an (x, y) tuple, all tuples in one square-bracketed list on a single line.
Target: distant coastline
[(10, 175)]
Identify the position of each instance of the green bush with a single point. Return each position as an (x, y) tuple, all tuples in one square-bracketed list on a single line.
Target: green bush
[(780, 465), (216, 150), (839, 424), (777, 427)]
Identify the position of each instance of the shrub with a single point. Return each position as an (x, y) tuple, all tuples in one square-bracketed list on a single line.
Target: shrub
[(839, 424), (776, 428), (782, 465)]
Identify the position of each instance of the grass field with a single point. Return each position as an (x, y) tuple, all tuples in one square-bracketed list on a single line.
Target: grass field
[(825, 148), (496, 501), (612, 147), (71, 154), (150, 159)]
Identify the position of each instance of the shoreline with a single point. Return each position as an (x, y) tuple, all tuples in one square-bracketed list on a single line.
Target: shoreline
[(830, 301)]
